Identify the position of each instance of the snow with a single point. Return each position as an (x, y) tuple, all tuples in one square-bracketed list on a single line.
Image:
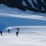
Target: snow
[(32, 27), (24, 16), (43, 1), (24, 3), (31, 3), (35, 1), (28, 36)]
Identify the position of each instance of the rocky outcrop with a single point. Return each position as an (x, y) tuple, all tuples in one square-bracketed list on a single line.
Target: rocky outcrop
[(32, 5)]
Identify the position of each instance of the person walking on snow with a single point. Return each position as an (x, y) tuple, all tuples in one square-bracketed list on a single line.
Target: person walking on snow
[(8, 30), (17, 31)]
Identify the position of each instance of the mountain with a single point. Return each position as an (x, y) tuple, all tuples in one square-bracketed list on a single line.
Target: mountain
[(15, 17), (32, 25), (31, 5)]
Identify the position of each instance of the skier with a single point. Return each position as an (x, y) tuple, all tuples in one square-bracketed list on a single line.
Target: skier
[(8, 30), (17, 31), (1, 33)]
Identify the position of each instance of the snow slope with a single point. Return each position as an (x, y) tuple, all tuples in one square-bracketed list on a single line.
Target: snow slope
[(28, 36), (15, 17), (32, 27)]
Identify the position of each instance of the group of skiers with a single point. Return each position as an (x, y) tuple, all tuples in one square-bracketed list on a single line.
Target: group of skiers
[(17, 31)]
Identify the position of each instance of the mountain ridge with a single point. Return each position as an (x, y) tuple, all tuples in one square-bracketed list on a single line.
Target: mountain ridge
[(31, 5)]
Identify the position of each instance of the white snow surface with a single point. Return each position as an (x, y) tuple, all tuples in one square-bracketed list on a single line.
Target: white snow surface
[(28, 36)]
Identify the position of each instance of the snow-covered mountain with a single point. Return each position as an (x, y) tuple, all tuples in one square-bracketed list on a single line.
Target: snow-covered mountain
[(32, 27), (31, 5), (16, 17), (35, 5), (38, 4)]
